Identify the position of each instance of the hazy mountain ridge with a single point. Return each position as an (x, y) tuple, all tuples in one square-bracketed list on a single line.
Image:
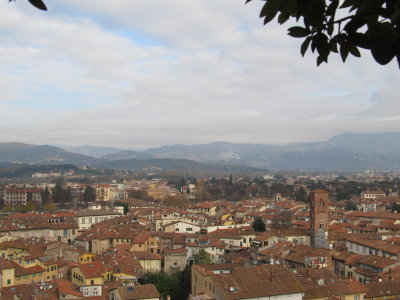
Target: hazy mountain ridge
[(40, 154), (181, 166), (127, 154), (388, 142), (346, 152), (93, 151)]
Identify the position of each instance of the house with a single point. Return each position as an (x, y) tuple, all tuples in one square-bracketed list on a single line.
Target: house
[(175, 259), (85, 219), (324, 284), (150, 262), (14, 197), (180, 226), (382, 290), (94, 273), (256, 282), (208, 208), (373, 195), (134, 292)]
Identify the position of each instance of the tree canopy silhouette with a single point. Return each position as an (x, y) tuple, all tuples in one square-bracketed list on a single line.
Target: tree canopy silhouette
[(341, 26), (36, 3)]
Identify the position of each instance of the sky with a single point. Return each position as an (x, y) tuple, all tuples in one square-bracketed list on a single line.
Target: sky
[(146, 73)]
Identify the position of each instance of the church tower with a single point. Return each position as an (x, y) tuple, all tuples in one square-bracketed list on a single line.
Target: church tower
[(319, 218)]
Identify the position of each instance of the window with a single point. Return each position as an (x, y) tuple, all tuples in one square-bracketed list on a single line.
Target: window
[(8, 281), (83, 220), (92, 281)]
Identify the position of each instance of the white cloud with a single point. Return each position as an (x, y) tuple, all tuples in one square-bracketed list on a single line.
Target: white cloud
[(150, 72)]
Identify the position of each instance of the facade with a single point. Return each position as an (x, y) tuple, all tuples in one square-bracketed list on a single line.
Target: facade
[(19, 197), (87, 218), (319, 218)]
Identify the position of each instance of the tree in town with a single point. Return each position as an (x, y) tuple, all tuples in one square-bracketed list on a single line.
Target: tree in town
[(396, 208), (176, 285), (302, 195), (45, 195), (258, 225), (202, 257), (58, 191), (341, 26), (89, 194), (350, 205), (61, 195)]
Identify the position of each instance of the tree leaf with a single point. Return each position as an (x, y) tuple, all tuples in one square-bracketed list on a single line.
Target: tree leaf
[(269, 10), (290, 6), (298, 32), (353, 49), (361, 40), (321, 59), (344, 51), (383, 43), (283, 17), (304, 46), (381, 50), (38, 4), (331, 10)]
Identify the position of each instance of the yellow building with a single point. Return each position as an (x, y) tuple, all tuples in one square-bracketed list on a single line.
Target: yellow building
[(7, 271), (94, 273), (28, 274), (86, 257), (150, 262)]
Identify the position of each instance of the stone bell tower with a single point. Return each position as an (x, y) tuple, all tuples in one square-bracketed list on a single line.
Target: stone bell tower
[(319, 218)]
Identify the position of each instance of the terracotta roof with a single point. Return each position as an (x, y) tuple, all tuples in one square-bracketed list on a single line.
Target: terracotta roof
[(250, 282), (92, 270), (144, 291), (337, 288), (65, 287), (143, 255), (382, 289), (168, 251)]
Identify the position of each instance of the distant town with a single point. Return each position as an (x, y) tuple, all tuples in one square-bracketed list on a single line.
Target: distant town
[(269, 237)]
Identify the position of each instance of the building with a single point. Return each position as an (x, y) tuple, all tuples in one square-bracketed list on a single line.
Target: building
[(257, 282), (21, 197), (319, 218)]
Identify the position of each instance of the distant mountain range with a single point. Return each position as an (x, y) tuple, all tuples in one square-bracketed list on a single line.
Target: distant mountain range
[(346, 152)]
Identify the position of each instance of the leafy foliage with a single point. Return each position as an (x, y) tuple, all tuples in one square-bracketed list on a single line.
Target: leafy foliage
[(350, 205), (36, 3), (61, 195), (176, 285), (203, 257), (258, 225), (341, 26), (89, 194), (302, 195)]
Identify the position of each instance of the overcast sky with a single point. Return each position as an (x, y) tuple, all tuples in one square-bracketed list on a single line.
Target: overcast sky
[(145, 73)]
